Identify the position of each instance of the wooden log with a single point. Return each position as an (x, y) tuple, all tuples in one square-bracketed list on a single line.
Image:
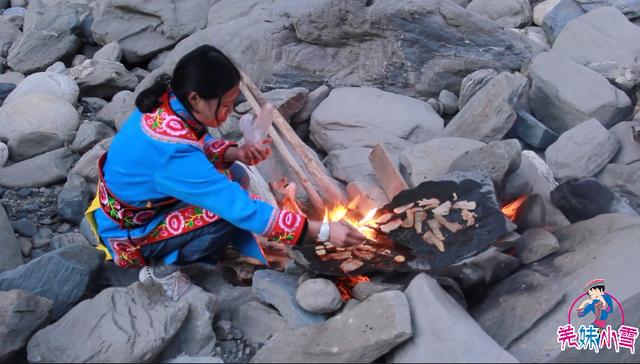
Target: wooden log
[(386, 171), (279, 144), (328, 187)]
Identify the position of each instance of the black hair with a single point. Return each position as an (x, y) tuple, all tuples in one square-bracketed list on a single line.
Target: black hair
[(600, 287), (205, 70)]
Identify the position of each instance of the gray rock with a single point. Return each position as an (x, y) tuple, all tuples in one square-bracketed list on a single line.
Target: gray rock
[(11, 256), (37, 112), (140, 73), (541, 10), (10, 33), (25, 246), (601, 35), (85, 230), (279, 290), (314, 98), (610, 255), (99, 78), (536, 244), (191, 359), (631, 9), (365, 113), (93, 104), (582, 151), (34, 143), (42, 239), (364, 290), (319, 295), (370, 195), (196, 336), (78, 60), (536, 35), (89, 134), (350, 164), (110, 52), (438, 323), (12, 77), (509, 14), (58, 67), (287, 101), (532, 131), (47, 83), (623, 76), (534, 177), (472, 83), (143, 29), (432, 159), (49, 35), (621, 178), (158, 60), (230, 299), (564, 94), (21, 315), (384, 318), (258, 323), (61, 276), (74, 199), (144, 320), (43, 170), (25, 227), (490, 113), (629, 151), (495, 266), (559, 16), (495, 159), (118, 110), (87, 166), (4, 154), (449, 102), (511, 297), (68, 239)]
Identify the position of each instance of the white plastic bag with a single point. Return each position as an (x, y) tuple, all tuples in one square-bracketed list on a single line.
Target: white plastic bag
[(255, 130)]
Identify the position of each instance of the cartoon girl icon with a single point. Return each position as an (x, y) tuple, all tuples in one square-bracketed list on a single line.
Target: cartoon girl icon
[(600, 303)]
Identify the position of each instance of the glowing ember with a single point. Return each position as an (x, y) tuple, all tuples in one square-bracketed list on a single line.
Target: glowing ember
[(511, 209), (346, 284)]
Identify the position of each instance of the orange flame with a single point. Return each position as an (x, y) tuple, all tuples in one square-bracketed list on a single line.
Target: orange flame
[(346, 284), (511, 209), (342, 212)]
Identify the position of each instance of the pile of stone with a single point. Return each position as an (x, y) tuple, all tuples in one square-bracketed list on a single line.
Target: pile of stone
[(540, 98)]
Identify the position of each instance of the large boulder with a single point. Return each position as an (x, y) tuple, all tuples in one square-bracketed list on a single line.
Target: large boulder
[(50, 34), (110, 52), (118, 110), (582, 151), (11, 256), (438, 323), (125, 325), (21, 315), (38, 113), (496, 159), (144, 28), (350, 164), (62, 276), (87, 166), (508, 13), (258, 323), (565, 93), (46, 83), (43, 170), (358, 335), (363, 117), (490, 113), (472, 83), (89, 134), (9, 34), (605, 242), (558, 16), (34, 143), (631, 9), (100, 78), (601, 35), (629, 151), (432, 159), (373, 48)]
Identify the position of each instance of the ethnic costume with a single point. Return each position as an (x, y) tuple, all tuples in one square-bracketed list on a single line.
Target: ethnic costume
[(601, 313), (165, 192)]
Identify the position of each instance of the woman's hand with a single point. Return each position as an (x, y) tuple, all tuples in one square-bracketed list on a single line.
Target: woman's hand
[(250, 154), (343, 235)]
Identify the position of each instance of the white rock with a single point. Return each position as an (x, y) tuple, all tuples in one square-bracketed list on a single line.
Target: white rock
[(46, 83)]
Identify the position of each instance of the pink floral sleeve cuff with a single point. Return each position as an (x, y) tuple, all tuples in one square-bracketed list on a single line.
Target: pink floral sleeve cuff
[(286, 227), (215, 149)]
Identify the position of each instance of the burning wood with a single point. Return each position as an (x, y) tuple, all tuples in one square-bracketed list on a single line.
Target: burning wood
[(430, 238), (351, 265), (510, 210)]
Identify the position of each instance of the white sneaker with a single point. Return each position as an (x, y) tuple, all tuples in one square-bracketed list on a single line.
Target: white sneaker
[(174, 284)]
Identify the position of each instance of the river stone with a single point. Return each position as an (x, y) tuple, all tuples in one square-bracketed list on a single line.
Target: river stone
[(100, 78), (43, 170), (582, 151), (143, 318), (21, 315), (11, 256), (536, 244), (319, 296), (46, 83), (62, 276), (433, 159), (490, 113), (34, 143), (508, 13), (365, 113), (359, 335)]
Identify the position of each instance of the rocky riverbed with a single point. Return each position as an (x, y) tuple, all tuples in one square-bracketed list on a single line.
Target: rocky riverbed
[(537, 99)]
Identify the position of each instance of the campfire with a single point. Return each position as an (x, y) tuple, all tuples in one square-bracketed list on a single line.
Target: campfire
[(511, 209), (347, 284)]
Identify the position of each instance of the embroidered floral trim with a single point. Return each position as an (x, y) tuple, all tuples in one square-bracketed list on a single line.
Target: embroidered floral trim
[(126, 255), (123, 215), (287, 227), (215, 149), (163, 125)]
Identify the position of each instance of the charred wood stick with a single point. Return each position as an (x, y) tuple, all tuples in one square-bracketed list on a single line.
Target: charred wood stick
[(279, 144), (328, 187)]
